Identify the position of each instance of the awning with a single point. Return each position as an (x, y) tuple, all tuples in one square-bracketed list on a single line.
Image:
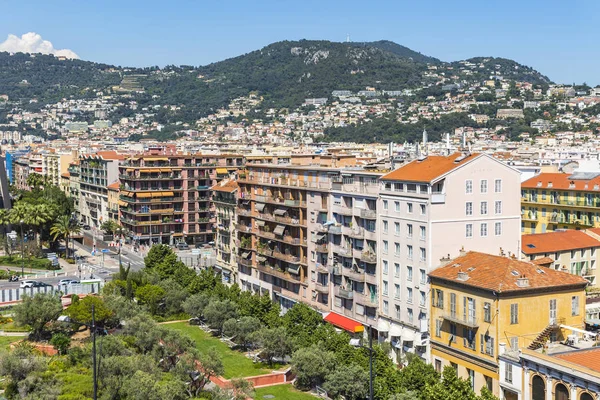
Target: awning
[(246, 254), (225, 271), (122, 203), (344, 323), (259, 207), (279, 230), (222, 171), (260, 223), (144, 195), (395, 330), (129, 170), (280, 212), (321, 236), (165, 170), (383, 325), (145, 170), (261, 258), (408, 335), (294, 269), (155, 159), (582, 331), (167, 194), (593, 321), (126, 193)]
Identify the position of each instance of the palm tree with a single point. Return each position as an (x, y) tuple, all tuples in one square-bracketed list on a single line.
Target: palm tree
[(65, 227), (39, 214)]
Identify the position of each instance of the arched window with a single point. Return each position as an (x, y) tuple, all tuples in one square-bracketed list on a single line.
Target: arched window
[(561, 392), (586, 396), (538, 388)]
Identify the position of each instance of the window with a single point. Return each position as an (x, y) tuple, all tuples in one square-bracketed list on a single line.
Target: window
[(468, 230), (409, 273), (514, 313), (468, 208), (422, 299), (396, 291), (438, 328), (498, 228), (453, 332), (423, 254), (453, 305), (438, 366), (385, 267), (423, 275), (483, 230), (397, 206), (574, 306), (409, 296), (487, 344), (498, 186), (385, 226), (514, 343), (385, 288), (422, 232), (398, 314), (483, 208), (438, 298), (386, 307), (498, 207), (397, 248), (409, 208), (385, 246), (483, 186), (409, 230), (487, 312), (410, 252), (422, 209), (385, 204), (469, 186), (397, 270), (469, 338), (508, 372), (410, 315), (397, 228)]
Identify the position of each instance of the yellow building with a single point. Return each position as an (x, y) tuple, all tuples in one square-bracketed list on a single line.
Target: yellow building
[(479, 301), (551, 201)]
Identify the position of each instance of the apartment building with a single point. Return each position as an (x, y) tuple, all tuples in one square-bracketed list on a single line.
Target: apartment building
[(113, 201), (576, 252), (73, 187), (429, 209), (551, 201), (96, 172), (54, 165), (480, 302), (224, 197), (165, 197)]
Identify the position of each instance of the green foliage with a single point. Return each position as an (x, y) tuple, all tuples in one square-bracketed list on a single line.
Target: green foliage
[(417, 375), (81, 311), (241, 329), (37, 311), (110, 226), (151, 296), (274, 342), (61, 342), (217, 312), (311, 365), (350, 382)]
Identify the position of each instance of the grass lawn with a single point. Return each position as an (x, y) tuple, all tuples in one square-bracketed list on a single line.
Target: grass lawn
[(236, 364), (30, 263), (281, 392), (6, 340)]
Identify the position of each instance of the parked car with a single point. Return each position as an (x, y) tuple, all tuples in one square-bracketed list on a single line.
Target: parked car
[(67, 282), (41, 284), (183, 246), (27, 284)]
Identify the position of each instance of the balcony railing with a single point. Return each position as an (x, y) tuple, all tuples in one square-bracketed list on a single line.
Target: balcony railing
[(342, 210), (322, 248), (355, 275), (468, 321), (343, 293), (369, 257), (321, 287), (368, 214), (244, 261)]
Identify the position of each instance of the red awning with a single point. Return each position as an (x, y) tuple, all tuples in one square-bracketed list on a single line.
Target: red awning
[(344, 323)]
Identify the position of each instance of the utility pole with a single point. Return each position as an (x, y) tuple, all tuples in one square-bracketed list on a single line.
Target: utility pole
[(94, 375), (370, 363)]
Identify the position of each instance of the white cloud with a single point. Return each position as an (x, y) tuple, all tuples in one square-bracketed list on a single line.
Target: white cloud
[(32, 42)]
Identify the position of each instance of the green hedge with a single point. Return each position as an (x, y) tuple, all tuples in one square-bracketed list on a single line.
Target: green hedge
[(33, 263)]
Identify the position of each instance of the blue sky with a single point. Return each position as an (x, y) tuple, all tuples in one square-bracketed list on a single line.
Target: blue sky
[(558, 38)]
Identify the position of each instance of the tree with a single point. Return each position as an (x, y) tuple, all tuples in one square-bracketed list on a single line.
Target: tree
[(217, 312), (61, 342), (450, 387), (311, 365), (196, 370), (37, 311), (65, 227), (150, 295), (20, 363), (241, 329), (110, 226), (196, 303), (417, 375), (81, 311), (274, 342), (351, 381), (158, 255), (38, 215)]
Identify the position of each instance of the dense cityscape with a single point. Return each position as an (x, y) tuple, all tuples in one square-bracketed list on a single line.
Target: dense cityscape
[(429, 231)]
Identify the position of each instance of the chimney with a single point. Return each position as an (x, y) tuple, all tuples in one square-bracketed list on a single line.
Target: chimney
[(462, 252), (501, 252), (445, 260), (462, 276), (523, 281), (501, 348)]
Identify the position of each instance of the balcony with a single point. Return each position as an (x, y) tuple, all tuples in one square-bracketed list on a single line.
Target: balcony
[(368, 257), (321, 287), (244, 211), (283, 220), (342, 210), (243, 228), (370, 235), (324, 269), (343, 293), (322, 248), (529, 216), (244, 261), (468, 321), (343, 251), (356, 233), (336, 270), (355, 275), (438, 198), (335, 230), (368, 214), (279, 273), (371, 278), (224, 200)]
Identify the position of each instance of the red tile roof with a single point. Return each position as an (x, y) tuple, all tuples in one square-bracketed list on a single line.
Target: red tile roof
[(586, 358), (345, 323), (560, 181), (500, 274), (113, 186), (552, 242), (228, 187), (542, 261), (428, 169)]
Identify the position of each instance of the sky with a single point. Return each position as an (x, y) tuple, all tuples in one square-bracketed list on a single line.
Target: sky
[(557, 38)]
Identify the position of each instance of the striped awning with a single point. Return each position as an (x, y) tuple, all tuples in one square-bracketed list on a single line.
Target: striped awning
[(144, 195), (122, 203), (246, 254), (222, 171)]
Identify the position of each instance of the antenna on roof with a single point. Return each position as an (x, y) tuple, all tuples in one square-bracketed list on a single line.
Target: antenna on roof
[(347, 38), (425, 141)]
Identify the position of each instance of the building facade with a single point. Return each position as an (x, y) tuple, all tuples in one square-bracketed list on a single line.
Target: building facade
[(224, 197)]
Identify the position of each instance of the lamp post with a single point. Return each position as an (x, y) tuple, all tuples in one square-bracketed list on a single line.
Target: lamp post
[(355, 342), (94, 374), (22, 250)]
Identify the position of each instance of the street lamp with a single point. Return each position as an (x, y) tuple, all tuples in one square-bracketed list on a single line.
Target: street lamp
[(356, 343), (22, 250)]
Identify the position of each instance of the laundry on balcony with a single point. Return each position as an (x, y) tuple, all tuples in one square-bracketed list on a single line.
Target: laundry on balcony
[(279, 212), (279, 230)]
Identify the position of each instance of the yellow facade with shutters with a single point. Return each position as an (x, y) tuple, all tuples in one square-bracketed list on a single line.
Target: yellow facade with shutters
[(468, 324)]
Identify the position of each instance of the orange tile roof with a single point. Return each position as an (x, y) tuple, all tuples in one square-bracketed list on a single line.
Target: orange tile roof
[(428, 169), (557, 241), (542, 261), (110, 155), (65, 174), (500, 274), (586, 358), (560, 181), (113, 186), (228, 187)]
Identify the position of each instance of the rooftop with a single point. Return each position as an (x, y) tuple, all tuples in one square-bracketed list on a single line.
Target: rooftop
[(589, 358), (552, 242), (562, 181), (503, 274), (430, 168), (227, 187)]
